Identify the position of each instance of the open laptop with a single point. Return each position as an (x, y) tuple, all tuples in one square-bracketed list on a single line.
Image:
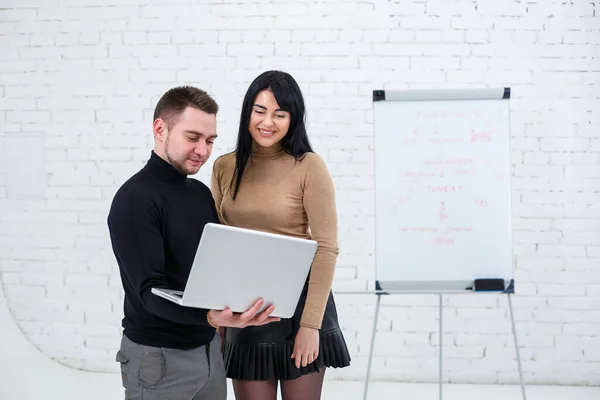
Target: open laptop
[(233, 267)]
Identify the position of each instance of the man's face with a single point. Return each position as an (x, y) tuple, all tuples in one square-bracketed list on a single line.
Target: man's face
[(187, 144)]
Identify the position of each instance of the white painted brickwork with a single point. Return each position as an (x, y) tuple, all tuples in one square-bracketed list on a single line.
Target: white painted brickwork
[(78, 82)]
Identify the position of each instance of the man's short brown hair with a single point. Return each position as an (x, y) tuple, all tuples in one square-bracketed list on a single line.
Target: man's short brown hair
[(174, 102)]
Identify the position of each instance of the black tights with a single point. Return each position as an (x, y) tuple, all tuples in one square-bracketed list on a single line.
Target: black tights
[(307, 387)]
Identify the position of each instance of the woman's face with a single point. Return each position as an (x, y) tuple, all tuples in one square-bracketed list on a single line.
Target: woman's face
[(268, 123)]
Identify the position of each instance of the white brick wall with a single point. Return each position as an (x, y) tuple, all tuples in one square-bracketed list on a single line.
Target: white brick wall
[(80, 78)]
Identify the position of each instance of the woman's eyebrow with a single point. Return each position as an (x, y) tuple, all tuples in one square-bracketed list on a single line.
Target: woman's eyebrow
[(264, 108)]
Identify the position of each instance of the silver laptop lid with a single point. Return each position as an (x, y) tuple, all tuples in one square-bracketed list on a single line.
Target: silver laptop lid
[(235, 266)]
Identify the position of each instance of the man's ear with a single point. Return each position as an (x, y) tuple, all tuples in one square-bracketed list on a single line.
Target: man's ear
[(160, 129)]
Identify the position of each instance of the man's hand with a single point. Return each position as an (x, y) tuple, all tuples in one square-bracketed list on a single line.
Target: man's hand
[(227, 318)]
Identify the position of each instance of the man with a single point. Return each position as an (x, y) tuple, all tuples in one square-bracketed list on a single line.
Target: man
[(155, 223)]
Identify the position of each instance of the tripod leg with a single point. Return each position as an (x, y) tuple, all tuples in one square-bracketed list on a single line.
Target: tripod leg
[(372, 346), (514, 329), (441, 334)]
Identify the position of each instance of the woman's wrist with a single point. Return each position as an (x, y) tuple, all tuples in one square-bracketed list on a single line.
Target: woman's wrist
[(309, 327), (210, 322)]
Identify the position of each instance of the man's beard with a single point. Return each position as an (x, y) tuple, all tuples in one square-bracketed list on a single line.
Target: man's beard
[(177, 164)]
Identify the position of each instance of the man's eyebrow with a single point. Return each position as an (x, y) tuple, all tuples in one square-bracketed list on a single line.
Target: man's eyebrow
[(193, 132), (264, 108)]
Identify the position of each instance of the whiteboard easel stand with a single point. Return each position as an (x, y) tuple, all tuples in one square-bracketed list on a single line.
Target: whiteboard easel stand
[(481, 115), (379, 293)]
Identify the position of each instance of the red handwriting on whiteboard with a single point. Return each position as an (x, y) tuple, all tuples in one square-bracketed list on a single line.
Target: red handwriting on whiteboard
[(413, 189), (444, 189), (445, 238), (442, 213), (481, 137), (449, 161), (422, 174), (463, 172), (419, 229), (460, 229), (481, 202), (433, 229)]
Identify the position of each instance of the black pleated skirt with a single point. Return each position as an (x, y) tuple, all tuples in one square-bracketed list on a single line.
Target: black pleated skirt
[(264, 352)]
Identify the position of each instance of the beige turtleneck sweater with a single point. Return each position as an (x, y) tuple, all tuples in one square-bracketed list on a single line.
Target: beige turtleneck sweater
[(281, 195)]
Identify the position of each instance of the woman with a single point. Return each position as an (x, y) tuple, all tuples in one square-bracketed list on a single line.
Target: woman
[(274, 182)]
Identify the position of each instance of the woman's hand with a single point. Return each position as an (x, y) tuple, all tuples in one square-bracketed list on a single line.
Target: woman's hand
[(306, 346)]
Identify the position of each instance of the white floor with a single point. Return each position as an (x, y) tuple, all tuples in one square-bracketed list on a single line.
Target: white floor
[(25, 373)]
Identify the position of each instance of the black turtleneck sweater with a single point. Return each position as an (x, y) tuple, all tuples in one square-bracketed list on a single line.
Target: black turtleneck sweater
[(155, 223)]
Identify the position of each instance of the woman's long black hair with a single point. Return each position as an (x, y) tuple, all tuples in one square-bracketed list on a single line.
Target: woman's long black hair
[(289, 97)]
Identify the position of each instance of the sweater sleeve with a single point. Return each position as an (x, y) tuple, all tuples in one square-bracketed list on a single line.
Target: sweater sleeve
[(319, 204), (215, 187), (134, 225)]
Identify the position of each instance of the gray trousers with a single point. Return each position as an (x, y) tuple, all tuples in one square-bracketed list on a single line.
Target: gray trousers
[(152, 373)]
